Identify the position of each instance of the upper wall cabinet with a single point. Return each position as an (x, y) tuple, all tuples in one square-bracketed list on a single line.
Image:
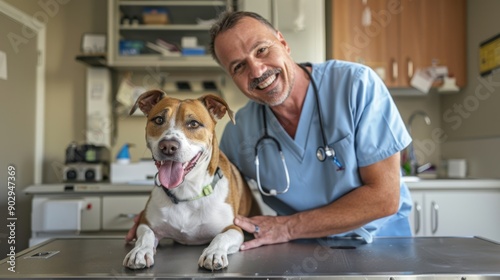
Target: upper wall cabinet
[(167, 33), (397, 37)]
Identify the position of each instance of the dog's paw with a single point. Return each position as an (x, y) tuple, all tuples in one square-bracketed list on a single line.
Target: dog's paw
[(213, 259), (139, 257)]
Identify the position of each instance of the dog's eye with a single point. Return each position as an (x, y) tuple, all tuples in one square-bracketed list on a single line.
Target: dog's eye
[(193, 124), (159, 120)]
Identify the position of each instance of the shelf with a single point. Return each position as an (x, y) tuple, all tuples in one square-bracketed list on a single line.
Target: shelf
[(147, 61), (181, 27), (172, 3), (143, 61), (92, 59)]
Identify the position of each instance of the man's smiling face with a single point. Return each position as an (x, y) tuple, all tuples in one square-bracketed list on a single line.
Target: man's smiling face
[(258, 60)]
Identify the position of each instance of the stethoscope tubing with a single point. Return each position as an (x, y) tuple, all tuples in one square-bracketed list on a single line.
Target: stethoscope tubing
[(266, 136)]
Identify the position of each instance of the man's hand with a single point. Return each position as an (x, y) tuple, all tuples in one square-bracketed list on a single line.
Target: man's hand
[(266, 230), (131, 234)]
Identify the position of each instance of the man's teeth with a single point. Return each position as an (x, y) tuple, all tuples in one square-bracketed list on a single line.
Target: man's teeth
[(267, 82)]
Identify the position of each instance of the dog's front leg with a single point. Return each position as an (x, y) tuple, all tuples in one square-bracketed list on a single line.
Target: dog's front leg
[(142, 254), (214, 257)]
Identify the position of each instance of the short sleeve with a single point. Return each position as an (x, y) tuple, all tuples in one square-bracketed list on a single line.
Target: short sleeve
[(380, 131)]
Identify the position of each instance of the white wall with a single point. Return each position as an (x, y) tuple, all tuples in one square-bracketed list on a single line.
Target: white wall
[(471, 119), (307, 44)]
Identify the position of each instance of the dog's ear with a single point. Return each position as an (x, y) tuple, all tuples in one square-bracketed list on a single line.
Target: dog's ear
[(148, 100), (217, 106)]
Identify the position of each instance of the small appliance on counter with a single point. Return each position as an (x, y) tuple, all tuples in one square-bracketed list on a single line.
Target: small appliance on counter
[(123, 171), (86, 163), (135, 173)]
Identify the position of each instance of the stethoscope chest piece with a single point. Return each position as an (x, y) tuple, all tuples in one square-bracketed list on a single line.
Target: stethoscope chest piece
[(320, 154), (323, 152)]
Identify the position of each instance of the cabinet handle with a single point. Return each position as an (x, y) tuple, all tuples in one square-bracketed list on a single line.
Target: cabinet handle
[(394, 70), (127, 216), (434, 217), (417, 213), (409, 64)]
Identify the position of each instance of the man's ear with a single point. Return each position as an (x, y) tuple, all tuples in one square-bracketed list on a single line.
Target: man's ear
[(148, 100), (282, 40), (216, 106)]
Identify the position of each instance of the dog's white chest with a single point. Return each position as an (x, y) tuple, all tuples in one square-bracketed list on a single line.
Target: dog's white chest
[(193, 222)]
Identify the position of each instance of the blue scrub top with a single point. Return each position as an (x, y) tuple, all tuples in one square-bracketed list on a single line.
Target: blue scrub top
[(361, 123)]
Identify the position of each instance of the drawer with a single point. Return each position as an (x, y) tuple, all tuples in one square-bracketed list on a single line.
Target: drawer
[(118, 211), (66, 213)]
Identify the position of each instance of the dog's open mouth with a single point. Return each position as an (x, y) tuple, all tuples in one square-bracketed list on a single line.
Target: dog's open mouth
[(171, 173)]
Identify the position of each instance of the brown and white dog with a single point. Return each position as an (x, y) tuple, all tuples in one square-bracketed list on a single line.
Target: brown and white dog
[(199, 192)]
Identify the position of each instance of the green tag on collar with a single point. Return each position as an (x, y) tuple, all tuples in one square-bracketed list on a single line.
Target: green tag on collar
[(207, 190)]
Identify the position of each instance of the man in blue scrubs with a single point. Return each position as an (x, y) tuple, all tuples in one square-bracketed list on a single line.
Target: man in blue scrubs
[(359, 192)]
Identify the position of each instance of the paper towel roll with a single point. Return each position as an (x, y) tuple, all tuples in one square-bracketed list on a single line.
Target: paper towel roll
[(62, 215), (457, 168)]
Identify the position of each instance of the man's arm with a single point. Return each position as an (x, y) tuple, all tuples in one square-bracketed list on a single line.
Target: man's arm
[(377, 198), (131, 234)]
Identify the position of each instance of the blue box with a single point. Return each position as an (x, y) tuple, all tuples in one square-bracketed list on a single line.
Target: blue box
[(131, 47), (193, 51)]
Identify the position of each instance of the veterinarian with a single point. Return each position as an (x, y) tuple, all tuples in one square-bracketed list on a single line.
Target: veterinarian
[(336, 126)]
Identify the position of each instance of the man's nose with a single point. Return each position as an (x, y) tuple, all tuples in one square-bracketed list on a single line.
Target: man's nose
[(257, 68)]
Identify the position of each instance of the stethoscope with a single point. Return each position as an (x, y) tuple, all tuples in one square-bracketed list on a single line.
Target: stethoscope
[(322, 153)]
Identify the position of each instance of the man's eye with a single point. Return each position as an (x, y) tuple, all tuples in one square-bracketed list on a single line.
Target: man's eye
[(193, 124), (159, 120), (237, 67), (261, 50)]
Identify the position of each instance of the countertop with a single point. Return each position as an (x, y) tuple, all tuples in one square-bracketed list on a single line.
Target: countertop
[(385, 258), (104, 188), (453, 183), (88, 188)]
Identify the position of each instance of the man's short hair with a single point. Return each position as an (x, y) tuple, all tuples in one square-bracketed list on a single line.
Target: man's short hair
[(228, 20)]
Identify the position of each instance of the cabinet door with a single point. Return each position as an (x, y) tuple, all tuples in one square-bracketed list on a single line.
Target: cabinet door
[(432, 33), (463, 213), (416, 217), (374, 43), (118, 212), (403, 36)]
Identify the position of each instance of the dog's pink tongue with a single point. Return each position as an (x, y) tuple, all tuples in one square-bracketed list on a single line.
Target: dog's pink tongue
[(171, 174)]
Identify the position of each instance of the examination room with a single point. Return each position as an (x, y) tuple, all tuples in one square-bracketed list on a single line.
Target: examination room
[(266, 139)]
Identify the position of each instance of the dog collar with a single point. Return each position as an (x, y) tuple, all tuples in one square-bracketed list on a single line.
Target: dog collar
[(206, 191)]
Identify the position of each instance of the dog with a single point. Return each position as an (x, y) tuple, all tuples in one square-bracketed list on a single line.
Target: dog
[(198, 191)]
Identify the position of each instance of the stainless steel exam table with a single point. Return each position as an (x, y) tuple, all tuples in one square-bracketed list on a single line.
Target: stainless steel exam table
[(461, 258)]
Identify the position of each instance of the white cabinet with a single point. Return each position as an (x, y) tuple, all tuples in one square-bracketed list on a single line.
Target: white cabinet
[(129, 32), (456, 212), (67, 210), (66, 213), (118, 212)]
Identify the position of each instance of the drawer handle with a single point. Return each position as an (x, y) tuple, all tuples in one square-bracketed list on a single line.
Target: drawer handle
[(394, 70), (418, 213), (410, 68), (434, 217), (127, 216)]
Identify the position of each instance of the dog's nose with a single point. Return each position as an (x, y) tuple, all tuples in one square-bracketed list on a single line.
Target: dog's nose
[(169, 147)]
